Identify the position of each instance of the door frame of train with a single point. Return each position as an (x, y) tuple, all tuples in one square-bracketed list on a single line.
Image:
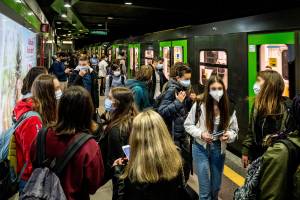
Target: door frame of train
[(173, 43), (259, 39), (135, 45)]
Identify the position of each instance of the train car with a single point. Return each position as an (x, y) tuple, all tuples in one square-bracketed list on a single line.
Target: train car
[(235, 49)]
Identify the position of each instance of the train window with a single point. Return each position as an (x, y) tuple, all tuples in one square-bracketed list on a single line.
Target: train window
[(149, 55), (131, 58), (275, 56), (166, 56), (213, 62), (177, 54)]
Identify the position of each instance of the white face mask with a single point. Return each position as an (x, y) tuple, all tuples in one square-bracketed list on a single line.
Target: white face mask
[(256, 88), (216, 94), (117, 73), (58, 94)]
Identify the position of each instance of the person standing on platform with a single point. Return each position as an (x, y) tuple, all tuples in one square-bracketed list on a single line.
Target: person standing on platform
[(102, 73), (58, 69), (94, 62), (158, 78)]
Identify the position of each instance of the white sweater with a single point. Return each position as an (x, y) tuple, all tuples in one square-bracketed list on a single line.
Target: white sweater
[(197, 130)]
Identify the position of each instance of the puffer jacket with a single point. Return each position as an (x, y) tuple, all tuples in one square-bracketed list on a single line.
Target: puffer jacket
[(140, 92), (124, 189), (173, 111)]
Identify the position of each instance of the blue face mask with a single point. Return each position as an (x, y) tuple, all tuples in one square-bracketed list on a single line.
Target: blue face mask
[(108, 105), (185, 83)]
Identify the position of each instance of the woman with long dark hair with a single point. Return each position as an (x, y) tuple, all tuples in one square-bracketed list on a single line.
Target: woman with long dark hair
[(270, 114), (212, 123)]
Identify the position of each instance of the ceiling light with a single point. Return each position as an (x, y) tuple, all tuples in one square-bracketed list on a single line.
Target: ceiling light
[(80, 30), (29, 28), (74, 24), (67, 5), (110, 18), (128, 3), (100, 25), (18, 1), (30, 13), (58, 22), (69, 31), (64, 15)]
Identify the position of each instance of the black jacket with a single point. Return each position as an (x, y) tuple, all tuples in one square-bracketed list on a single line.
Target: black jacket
[(76, 79), (162, 80), (163, 190), (173, 111)]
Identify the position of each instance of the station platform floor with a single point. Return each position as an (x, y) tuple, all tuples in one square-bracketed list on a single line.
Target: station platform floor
[(233, 177)]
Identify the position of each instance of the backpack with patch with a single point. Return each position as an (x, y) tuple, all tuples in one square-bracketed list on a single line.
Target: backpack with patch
[(9, 179), (111, 80), (249, 191), (44, 183)]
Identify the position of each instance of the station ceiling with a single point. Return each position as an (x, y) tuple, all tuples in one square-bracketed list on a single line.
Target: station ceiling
[(145, 16)]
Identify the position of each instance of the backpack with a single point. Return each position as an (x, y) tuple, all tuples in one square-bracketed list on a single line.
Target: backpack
[(249, 190), (111, 80), (44, 183), (9, 179), (160, 97)]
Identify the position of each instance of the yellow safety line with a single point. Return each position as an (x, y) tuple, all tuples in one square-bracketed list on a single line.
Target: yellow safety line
[(233, 176)]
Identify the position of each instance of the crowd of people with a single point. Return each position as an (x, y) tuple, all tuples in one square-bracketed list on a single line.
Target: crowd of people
[(168, 125)]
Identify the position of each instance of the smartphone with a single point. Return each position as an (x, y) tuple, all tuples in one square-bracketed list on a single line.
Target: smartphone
[(220, 133), (126, 150)]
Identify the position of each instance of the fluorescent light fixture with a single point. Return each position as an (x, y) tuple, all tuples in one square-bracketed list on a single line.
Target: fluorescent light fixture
[(49, 41), (128, 3), (30, 13), (18, 1), (80, 30), (100, 25), (110, 18), (63, 15), (67, 5), (58, 22), (58, 28), (67, 42), (69, 31), (74, 24)]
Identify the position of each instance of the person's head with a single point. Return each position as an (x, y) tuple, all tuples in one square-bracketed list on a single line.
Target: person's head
[(83, 61), (61, 56), (215, 94), (75, 111), (183, 74), (260, 80), (145, 73), (158, 63), (103, 57), (116, 70), (30, 77), (123, 108), (153, 154), (270, 95), (43, 91)]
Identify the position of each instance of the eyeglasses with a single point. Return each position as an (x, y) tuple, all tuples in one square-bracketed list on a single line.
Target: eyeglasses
[(214, 88)]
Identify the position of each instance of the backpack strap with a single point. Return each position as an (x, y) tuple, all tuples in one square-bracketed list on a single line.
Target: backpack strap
[(70, 152), (26, 116), (41, 147), (110, 80), (122, 80)]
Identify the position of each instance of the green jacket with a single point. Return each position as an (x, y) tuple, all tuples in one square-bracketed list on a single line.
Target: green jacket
[(274, 181)]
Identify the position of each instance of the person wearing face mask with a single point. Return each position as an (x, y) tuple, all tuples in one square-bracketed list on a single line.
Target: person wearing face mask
[(270, 114), (158, 78), (58, 91), (212, 123), (174, 107), (140, 87), (85, 76), (58, 69), (94, 62), (102, 73)]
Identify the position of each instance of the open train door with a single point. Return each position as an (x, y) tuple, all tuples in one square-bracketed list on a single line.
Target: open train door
[(274, 51), (173, 52)]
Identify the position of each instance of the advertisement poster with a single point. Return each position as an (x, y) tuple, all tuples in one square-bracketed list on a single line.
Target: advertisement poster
[(17, 56)]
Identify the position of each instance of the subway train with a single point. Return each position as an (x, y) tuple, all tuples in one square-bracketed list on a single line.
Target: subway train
[(235, 49)]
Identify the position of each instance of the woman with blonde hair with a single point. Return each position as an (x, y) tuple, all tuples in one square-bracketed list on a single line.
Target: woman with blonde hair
[(154, 169)]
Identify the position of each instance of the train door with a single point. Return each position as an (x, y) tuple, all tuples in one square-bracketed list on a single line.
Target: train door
[(149, 55), (274, 51), (173, 52), (134, 59)]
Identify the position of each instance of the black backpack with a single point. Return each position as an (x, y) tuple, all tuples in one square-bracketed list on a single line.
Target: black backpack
[(44, 183), (111, 79)]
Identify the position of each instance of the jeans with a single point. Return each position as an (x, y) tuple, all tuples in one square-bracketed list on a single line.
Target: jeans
[(209, 165)]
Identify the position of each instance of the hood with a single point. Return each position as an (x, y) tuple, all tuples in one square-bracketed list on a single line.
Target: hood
[(22, 107), (131, 83), (173, 83)]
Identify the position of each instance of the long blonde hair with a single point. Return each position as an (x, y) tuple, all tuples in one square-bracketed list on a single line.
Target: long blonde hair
[(153, 154), (268, 101)]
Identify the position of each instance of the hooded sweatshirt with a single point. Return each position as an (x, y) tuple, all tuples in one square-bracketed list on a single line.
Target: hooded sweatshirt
[(25, 135), (140, 92)]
